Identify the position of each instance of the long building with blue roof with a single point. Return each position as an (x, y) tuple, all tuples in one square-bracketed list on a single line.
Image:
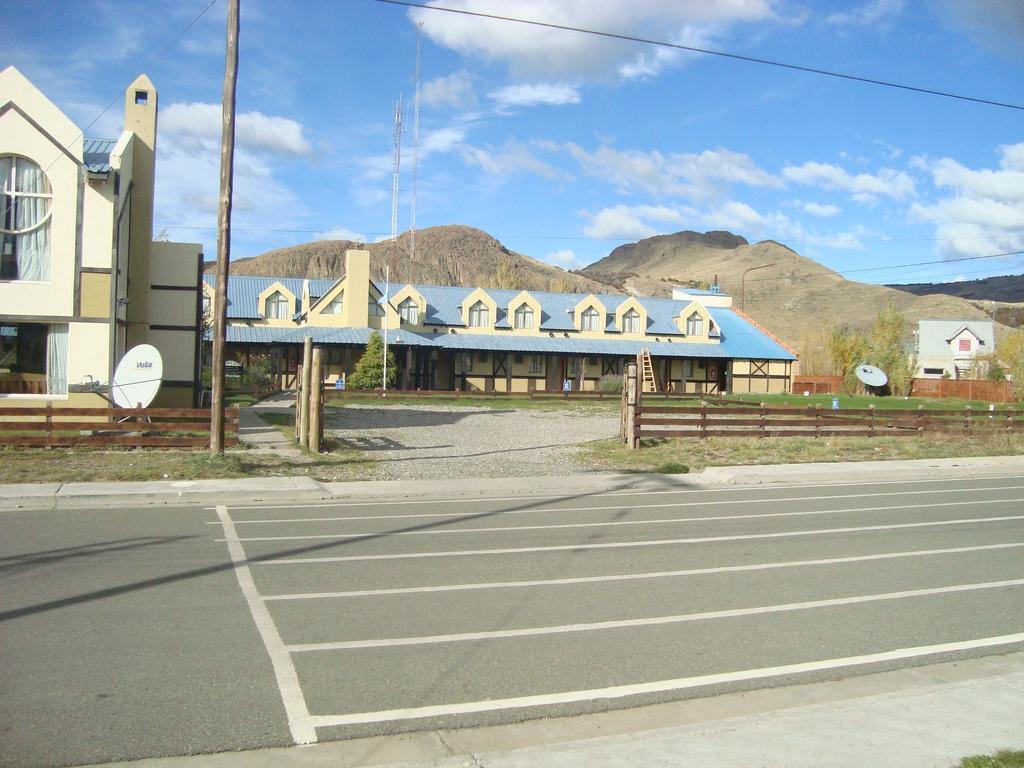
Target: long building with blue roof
[(448, 337)]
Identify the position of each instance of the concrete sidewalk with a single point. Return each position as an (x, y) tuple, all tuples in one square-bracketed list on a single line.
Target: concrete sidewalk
[(923, 717), (306, 489)]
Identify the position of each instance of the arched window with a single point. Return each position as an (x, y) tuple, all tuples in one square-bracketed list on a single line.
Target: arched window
[(695, 325), (276, 306), (479, 315), (410, 311), (631, 322), (524, 316), (589, 319), (25, 203)]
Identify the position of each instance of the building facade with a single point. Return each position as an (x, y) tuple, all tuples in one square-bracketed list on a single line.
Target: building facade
[(81, 280), (949, 349), (495, 340)]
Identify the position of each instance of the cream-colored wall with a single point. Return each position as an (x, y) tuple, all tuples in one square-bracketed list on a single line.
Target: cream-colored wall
[(172, 308), (94, 295), (356, 309), (98, 222), (176, 349), (54, 297), (88, 345), (174, 263)]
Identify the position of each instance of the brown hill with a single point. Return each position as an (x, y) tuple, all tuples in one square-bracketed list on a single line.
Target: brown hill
[(451, 255), (792, 297), (1004, 288)]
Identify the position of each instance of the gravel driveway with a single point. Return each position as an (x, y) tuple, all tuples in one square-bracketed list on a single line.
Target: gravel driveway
[(423, 442)]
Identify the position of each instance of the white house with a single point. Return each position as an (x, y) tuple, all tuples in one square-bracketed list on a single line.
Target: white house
[(950, 348)]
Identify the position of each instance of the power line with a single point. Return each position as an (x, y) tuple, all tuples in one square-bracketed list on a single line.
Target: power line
[(710, 52)]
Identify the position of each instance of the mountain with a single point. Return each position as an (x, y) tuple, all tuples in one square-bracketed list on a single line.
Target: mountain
[(1005, 288), (789, 294), (449, 255)]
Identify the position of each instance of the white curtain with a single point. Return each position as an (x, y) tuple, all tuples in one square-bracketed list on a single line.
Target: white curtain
[(32, 247), (57, 360)]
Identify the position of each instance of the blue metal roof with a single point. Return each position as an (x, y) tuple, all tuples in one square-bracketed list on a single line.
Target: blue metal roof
[(739, 338), (96, 154)]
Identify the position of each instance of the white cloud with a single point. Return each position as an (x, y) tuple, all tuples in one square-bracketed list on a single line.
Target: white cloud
[(695, 176), (515, 157), (863, 187), (341, 233), (867, 14), (998, 25), (532, 50), (817, 209), (624, 222), (565, 259), (198, 125), (984, 212), (442, 141), (531, 95), (454, 90)]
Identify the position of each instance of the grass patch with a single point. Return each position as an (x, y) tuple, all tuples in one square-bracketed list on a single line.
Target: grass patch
[(655, 454), (1004, 758), (671, 468)]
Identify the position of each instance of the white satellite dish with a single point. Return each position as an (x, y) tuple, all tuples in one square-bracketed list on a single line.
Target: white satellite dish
[(871, 376), (137, 378)]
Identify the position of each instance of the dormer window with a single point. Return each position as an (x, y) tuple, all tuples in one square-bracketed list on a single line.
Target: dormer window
[(336, 305), (589, 320), (479, 316), (695, 325), (524, 316), (25, 202), (631, 322), (410, 311), (276, 307)]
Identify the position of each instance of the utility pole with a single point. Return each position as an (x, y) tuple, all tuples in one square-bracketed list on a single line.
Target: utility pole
[(227, 157), (743, 284)]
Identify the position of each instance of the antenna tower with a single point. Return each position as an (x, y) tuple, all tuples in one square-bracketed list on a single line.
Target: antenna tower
[(394, 235), (415, 144)]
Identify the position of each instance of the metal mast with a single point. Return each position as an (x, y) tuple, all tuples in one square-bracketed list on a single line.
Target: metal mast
[(394, 233), (415, 145)]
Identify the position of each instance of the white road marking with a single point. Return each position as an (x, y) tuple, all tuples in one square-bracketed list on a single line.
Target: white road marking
[(637, 576), (540, 510), (660, 686), (608, 524), (628, 544), (302, 728), (648, 621), (732, 489)]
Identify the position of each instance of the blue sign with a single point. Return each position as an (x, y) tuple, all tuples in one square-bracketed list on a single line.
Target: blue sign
[(340, 383), (567, 385), (835, 403)]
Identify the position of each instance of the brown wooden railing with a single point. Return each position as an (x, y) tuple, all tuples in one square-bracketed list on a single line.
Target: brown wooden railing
[(112, 427)]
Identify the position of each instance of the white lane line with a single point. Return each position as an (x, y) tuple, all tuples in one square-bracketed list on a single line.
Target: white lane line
[(640, 576), (616, 508), (647, 621), (302, 729), (661, 686), (605, 494), (609, 524), (628, 544)]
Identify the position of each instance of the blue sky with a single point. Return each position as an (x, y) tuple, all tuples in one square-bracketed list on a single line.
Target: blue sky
[(563, 145)]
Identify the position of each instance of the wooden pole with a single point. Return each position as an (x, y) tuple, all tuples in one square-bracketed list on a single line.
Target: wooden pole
[(227, 157), (632, 377), (307, 376), (316, 401)]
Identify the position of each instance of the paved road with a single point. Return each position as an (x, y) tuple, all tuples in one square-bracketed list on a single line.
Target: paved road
[(126, 633)]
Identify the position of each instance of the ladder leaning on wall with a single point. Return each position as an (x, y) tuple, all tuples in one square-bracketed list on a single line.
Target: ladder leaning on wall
[(650, 383)]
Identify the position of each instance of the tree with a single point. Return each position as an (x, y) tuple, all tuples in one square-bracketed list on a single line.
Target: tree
[(886, 350), (369, 372), (815, 355), (505, 276), (847, 349), (1011, 352)]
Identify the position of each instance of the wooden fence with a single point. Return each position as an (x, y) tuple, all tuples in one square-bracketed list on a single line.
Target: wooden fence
[(966, 389), (112, 427)]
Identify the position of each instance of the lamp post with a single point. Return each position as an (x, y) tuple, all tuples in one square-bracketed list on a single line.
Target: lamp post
[(743, 284)]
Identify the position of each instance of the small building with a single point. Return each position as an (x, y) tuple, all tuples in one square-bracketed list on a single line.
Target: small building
[(498, 340), (81, 279), (950, 348)]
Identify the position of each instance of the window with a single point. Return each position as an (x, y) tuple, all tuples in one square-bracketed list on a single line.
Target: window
[(374, 307), (517, 358), (276, 307), (479, 315), (589, 319), (336, 305), (524, 316), (695, 325), (963, 345), (24, 220), (572, 367), (536, 364), (33, 359), (142, 98), (631, 322), (934, 371), (410, 311)]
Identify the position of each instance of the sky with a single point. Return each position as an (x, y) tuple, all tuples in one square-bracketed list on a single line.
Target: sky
[(565, 145)]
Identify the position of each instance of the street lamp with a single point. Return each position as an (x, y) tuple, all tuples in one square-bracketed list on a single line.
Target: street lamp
[(743, 287)]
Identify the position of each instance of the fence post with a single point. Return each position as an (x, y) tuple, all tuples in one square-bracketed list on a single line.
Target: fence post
[(631, 405), (302, 407), (702, 425), (762, 429), (316, 402), (967, 419), (49, 422), (871, 420), (919, 420)]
